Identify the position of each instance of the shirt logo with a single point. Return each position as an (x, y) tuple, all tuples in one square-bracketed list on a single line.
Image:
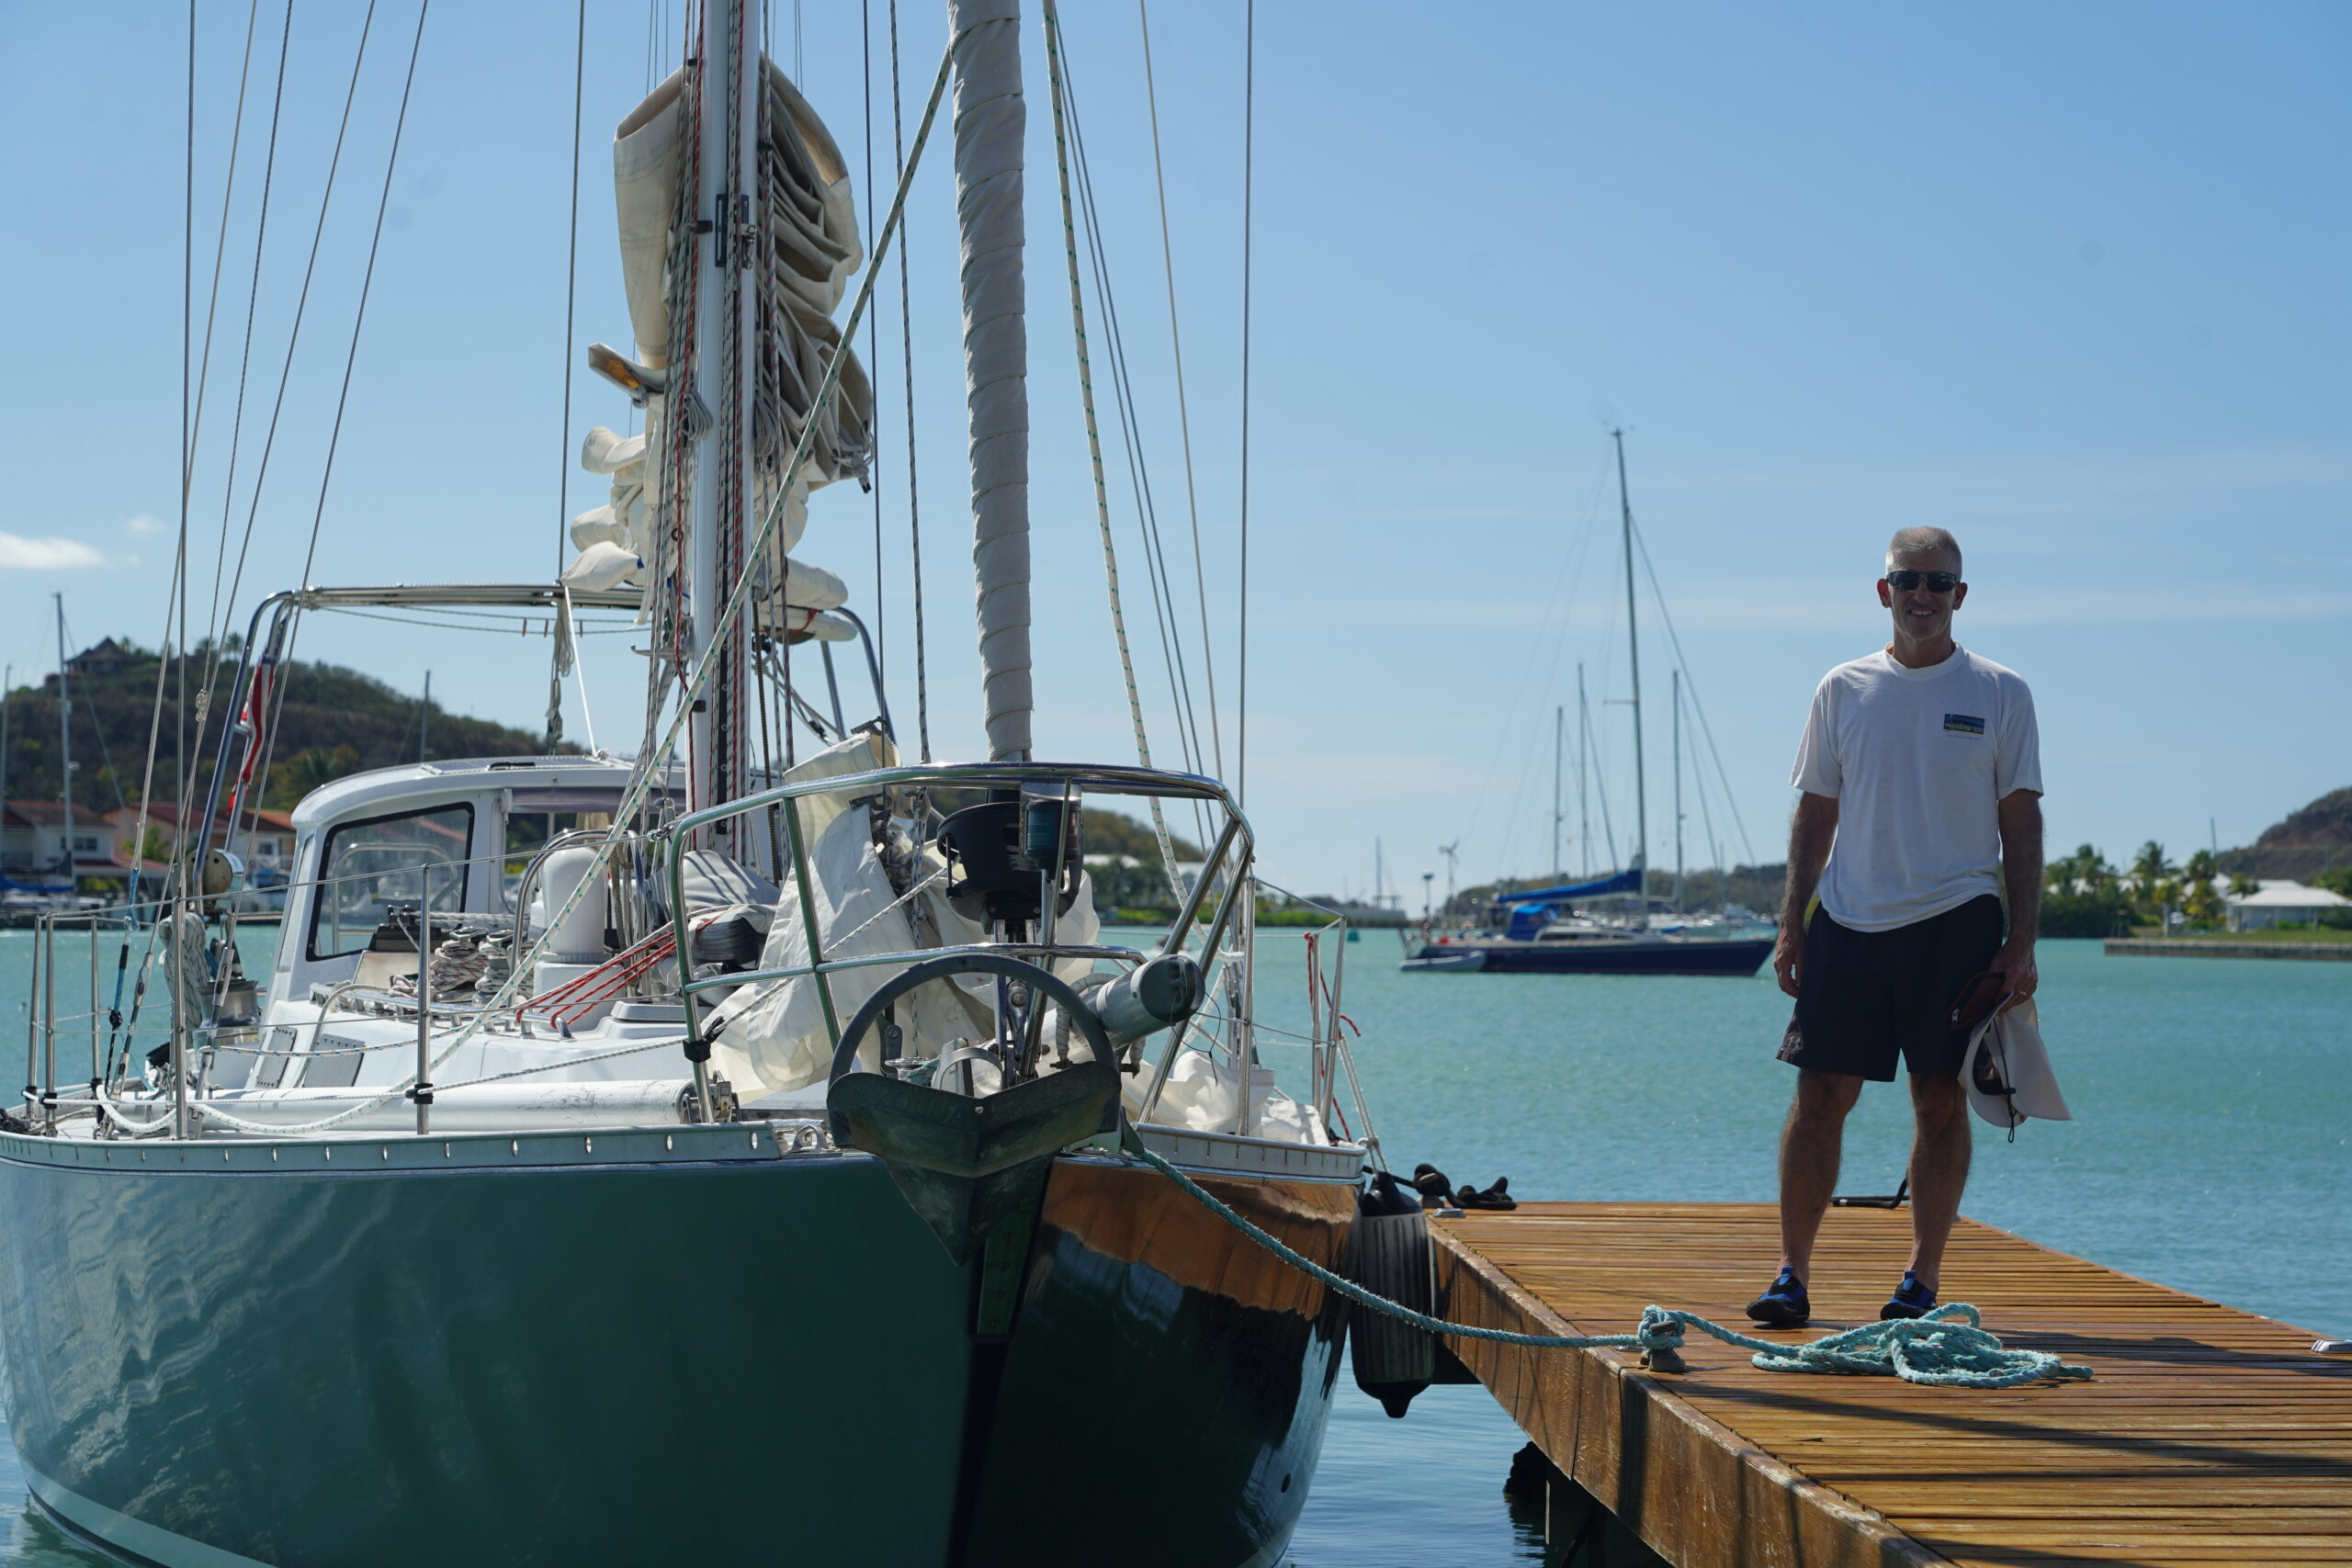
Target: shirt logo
[(1964, 724)]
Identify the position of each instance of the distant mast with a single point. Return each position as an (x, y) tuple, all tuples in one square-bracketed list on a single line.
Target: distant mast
[(1560, 744), (1633, 652), (65, 750)]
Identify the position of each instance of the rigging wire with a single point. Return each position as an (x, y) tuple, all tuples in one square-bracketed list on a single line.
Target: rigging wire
[(89, 706), (294, 334), (1157, 575), (1060, 95), (1705, 731), (187, 455), (359, 320), (1171, 636), (692, 683), (219, 254), (1184, 415), (571, 292), (873, 343), (253, 303), (1552, 630), (907, 349), (1706, 816), (367, 282), (1248, 173)]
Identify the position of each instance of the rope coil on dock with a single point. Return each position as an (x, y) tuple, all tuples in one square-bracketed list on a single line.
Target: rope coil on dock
[(1947, 1349)]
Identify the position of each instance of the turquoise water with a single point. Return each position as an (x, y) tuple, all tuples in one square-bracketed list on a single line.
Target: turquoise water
[(2212, 1152)]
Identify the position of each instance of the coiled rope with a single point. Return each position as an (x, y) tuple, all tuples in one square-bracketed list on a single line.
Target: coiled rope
[(1947, 1349)]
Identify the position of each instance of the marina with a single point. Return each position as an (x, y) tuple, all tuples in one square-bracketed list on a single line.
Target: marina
[(745, 1068)]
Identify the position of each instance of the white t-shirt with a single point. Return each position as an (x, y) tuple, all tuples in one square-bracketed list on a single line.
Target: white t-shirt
[(1917, 761)]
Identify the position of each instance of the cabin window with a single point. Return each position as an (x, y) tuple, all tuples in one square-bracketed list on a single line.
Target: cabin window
[(368, 867), (537, 817)]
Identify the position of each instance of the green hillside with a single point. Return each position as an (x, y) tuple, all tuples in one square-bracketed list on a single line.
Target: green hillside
[(332, 721)]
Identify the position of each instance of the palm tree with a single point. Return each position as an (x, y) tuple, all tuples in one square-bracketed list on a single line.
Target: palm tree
[(2151, 867)]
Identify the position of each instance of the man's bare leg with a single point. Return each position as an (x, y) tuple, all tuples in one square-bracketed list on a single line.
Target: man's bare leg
[(1939, 1154), (1810, 1146)]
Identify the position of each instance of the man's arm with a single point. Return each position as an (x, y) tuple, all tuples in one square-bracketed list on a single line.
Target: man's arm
[(2020, 814), (1810, 833)]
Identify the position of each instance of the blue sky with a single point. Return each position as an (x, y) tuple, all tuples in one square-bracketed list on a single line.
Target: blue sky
[(2068, 281)]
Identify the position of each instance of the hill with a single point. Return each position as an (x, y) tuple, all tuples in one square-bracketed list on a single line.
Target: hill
[(2306, 842), (331, 721)]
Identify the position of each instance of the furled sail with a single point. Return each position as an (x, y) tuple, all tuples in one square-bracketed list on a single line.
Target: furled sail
[(807, 249), (990, 118)]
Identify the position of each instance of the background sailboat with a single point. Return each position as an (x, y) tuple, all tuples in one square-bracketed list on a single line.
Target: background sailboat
[(1566, 929)]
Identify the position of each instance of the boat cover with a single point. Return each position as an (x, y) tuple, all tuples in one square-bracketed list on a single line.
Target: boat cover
[(1628, 881)]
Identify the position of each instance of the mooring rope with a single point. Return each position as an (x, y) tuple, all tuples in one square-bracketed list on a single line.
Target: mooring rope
[(1947, 1349)]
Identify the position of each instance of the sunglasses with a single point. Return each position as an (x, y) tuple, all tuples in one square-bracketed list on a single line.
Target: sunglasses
[(1934, 581)]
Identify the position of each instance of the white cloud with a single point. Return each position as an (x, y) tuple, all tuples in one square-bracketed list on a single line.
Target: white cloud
[(143, 523), (20, 554)]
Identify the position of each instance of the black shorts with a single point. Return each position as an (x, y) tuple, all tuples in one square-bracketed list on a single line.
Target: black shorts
[(1863, 997)]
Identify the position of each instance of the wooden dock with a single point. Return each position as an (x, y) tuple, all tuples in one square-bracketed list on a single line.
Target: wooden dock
[(2208, 1436)]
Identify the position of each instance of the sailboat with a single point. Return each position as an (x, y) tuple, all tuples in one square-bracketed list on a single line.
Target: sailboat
[(722, 1154), (1555, 930)]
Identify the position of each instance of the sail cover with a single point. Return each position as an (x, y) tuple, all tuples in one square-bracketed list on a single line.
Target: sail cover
[(807, 251), (1628, 881), (991, 118)]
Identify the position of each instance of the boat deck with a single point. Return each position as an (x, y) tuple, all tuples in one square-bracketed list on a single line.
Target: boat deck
[(2208, 1435)]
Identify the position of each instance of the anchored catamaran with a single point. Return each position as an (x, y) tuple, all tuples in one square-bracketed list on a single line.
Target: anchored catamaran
[(722, 1153)]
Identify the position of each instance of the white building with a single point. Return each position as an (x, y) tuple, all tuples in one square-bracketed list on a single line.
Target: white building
[(2276, 901)]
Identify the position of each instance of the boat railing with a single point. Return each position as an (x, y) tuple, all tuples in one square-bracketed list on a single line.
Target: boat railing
[(198, 1033), (1225, 950)]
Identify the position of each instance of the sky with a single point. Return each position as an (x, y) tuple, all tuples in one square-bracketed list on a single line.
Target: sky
[(2068, 281)]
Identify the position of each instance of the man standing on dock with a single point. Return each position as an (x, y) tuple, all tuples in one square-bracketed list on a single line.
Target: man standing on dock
[(1922, 774)]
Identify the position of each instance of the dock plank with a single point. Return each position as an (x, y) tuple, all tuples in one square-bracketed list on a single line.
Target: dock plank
[(2208, 1436)]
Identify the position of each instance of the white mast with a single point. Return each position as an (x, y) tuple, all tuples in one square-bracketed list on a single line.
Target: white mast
[(1559, 725), (1584, 804), (65, 750), (1633, 652), (727, 102), (991, 118), (1678, 789)]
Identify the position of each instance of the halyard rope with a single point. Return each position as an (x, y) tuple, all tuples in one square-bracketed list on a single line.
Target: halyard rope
[(1058, 90), (1947, 1349)]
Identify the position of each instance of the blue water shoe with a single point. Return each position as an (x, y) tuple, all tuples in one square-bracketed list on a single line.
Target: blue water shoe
[(1784, 1305), (1911, 1298)]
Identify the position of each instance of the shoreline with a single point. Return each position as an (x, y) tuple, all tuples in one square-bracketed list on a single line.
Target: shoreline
[(2223, 947)]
